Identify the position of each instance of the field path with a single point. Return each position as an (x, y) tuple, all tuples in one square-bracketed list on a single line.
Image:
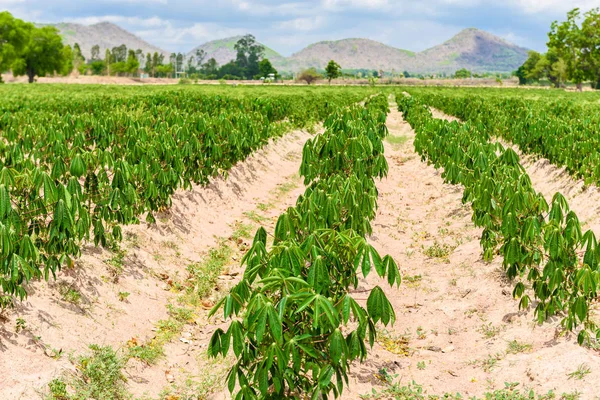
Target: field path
[(458, 328)]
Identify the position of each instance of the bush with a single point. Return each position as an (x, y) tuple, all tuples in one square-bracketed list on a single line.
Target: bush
[(309, 76)]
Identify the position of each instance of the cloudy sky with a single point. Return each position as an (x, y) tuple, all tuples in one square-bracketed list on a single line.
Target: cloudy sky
[(179, 25)]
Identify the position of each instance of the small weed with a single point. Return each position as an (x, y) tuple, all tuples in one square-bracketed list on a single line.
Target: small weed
[(169, 244), (489, 331), (98, 375), (452, 331), (123, 296), (396, 141), (413, 281), (489, 363), (241, 231), (264, 206), (148, 353), (421, 334), (439, 251), (288, 186), (115, 264), (421, 365), (515, 347), (58, 390), (21, 325), (69, 294), (453, 282), (393, 343), (256, 217), (580, 373), (205, 273)]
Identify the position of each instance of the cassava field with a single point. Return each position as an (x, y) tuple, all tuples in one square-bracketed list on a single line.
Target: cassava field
[(231, 242)]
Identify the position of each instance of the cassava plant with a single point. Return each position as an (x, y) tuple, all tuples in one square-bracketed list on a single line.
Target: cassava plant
[(296, 327)]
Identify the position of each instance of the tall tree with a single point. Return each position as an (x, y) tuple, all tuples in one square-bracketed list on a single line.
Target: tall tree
[(173, 63), (179, 62), (333, 71), (108, 60), (568, 41), (210, 67), (78, 58), (249, 53), (42, 55), (265, 67), (156, 61), (132, 65), (95, 52), (148, 65), (200, 56), (119, 54), (67, 54), (13, 38)]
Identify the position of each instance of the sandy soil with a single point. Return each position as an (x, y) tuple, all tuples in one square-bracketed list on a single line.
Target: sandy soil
[(456, 320)]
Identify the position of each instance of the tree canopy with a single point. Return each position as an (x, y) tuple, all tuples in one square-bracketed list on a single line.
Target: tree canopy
[(333, 71), (573, 52)]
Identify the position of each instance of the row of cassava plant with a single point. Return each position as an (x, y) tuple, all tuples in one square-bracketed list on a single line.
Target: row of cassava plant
[(541, 243), (76, 168), (296, 326), (564, 131)]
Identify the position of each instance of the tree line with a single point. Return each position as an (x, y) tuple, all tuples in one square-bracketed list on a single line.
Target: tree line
[(573, 53), (26, 49)]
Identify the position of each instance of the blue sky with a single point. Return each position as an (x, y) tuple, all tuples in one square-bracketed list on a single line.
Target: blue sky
[(179, 25)]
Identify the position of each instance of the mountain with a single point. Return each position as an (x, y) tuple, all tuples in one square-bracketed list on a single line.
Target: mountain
[(104, 34), (473, 49), (223, 51), (351, 54)]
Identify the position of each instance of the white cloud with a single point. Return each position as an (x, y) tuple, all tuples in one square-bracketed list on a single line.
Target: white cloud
[(365, 4), (554, 6), (302, 24), (117, 19)]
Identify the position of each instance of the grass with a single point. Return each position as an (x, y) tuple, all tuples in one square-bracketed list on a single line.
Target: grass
[(489, 331), (396, 141), (206, 273), (256, 217), (69, 294), (515, 347), (98, 375), (393, 343), (414, 391), (439, 251), (581, 372)]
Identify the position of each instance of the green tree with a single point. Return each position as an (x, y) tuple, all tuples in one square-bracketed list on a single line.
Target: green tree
[(107, 61), (78, 58), (333, 71), (200, 56), (249, 53), (148, 66), (309, 76), (569, 42), (67, 54), (132, 65), (42, 54), (13, 38), (265, 67), (119, 54), (95, 52), (462, 74), (210, 67)]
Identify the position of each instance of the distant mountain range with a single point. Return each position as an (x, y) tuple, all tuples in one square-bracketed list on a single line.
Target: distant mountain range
[(473, 49)]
